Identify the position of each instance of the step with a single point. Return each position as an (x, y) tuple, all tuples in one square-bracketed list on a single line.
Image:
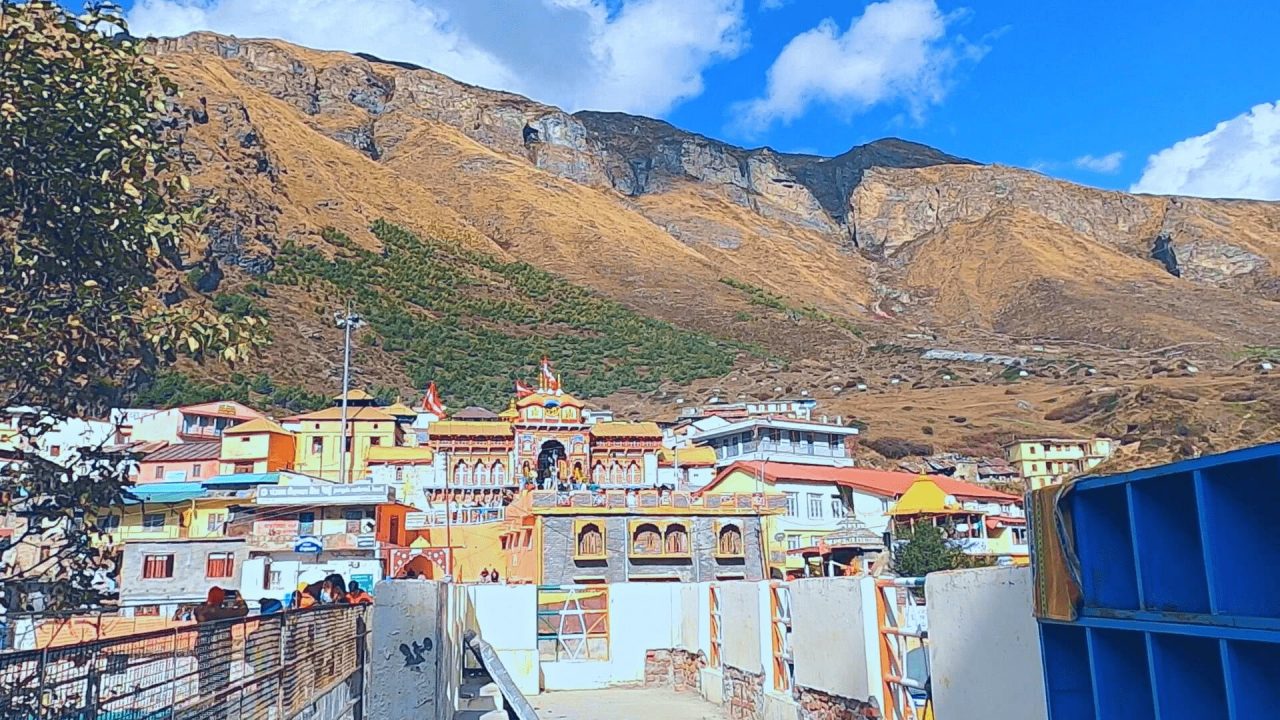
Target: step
[(480, 715), (484, 702), (480, 687)]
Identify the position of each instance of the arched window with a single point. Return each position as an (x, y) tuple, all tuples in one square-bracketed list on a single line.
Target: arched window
[(646, 540), (676, 541), (590, 541), (499, 473), (633, 473), (597, 473), (462, 474), (730, 541), (482, 474), (615, 475)]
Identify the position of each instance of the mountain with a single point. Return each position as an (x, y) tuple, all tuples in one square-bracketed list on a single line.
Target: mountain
[(477, 229)]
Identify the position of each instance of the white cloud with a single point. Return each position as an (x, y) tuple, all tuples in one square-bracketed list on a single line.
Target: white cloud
[(773, 4), (1105, 164), (897, 50), (1240, 158), (642, 56)]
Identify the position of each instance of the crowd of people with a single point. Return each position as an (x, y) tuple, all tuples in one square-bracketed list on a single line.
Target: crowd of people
[(494, 498)]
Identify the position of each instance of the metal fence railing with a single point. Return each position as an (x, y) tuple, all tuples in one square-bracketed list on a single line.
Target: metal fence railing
[(268, 667)]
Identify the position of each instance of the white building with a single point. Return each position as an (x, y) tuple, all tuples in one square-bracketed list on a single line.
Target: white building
[(775, 439), (59, 442), (189, 423)]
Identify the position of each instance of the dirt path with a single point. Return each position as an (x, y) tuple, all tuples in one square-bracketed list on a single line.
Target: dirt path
[(624, 704)]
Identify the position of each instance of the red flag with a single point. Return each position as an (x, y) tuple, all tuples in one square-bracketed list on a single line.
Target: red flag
[(523, 390), (431, 401)]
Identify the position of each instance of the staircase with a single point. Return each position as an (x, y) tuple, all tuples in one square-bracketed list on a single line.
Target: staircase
[(487, 692), (479, 698)]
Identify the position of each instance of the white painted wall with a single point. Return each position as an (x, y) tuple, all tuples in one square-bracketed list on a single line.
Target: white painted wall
[(740, 611), (984, 646), (293, 571), (828, 635), (506, 617)]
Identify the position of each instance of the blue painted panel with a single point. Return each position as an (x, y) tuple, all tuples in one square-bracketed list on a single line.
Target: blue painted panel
[(1187, 672), (1121, 683), (1167, 536), (1105, 548), (1066, 671)]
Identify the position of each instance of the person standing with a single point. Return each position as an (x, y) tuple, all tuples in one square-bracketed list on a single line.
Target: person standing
[(357, 596)]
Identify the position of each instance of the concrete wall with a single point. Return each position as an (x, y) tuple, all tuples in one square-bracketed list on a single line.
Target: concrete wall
[(559, 567), (740, 611), (829, 635), (984, 647), (417, 650), (189, 582)]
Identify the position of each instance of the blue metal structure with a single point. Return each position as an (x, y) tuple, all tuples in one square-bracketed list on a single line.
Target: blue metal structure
[(1180, 573)]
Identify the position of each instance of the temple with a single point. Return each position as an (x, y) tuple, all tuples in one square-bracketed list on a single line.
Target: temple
[(543, 440)]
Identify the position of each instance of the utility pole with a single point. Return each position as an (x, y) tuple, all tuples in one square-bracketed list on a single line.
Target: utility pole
[(448, 524), (348, 320)]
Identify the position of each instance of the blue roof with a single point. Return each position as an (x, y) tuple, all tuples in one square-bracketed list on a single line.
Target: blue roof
[(166, 492), (271, 478)]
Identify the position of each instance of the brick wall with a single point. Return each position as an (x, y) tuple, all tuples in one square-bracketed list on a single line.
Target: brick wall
[(743, 693), (686, 670), (657, 667), (817, 705)]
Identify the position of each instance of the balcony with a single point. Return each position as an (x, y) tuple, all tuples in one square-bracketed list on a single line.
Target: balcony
[(783, 450), (459, 516)]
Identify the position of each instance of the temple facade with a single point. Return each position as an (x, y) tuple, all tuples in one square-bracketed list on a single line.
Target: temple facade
[(543, 440)]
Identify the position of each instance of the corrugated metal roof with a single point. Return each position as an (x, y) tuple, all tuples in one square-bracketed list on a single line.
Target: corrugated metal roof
[(184, 452), (166, 492)]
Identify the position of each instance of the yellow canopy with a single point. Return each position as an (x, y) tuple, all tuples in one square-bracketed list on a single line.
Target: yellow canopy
[(924, 497)]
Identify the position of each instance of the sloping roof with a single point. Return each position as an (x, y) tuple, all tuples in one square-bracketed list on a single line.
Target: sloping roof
[(475, 412), (543, 399), (260, 425), (166, 492), (886, 483), (399, 455), (221, 408), (354, 395), (488, 428), (924, 497), (361, 414), (626, 429), (695, 456), (399, 409), (186, 452)]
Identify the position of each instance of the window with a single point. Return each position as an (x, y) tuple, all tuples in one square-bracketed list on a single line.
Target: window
[(195, 470), (220, 565), (353, 518), (837, 507), (306, 523), (159, 472), (317, 445), (157, 566), (244, 438), (590, 539), (244, 467), (462, 474), (153, 521), (55, 450), (793, 504), (646, 540), (676, 541), (375, 441), (815, 505), (348, 443), (729, 543), (884, 505), (793, 542), (146, 611), (482, 474), (499, 473), (215, 522), (1035, 467), (275, 580)]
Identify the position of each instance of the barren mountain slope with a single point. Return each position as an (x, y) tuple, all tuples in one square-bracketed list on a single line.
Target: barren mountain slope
[(800, 273)]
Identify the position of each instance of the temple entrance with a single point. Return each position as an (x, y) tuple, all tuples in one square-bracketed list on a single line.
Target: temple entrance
[(550, 464)]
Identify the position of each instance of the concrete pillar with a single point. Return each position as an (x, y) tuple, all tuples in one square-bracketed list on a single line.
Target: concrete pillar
[(406, 631)]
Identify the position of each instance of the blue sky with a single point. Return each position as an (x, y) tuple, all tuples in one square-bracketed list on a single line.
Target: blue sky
[(1172, 96)]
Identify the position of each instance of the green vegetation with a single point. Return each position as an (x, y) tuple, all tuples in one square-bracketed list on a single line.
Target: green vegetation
[(1260, 352), (170, 388), (237, 305), (474, 323), (924, 548), (759, 296)]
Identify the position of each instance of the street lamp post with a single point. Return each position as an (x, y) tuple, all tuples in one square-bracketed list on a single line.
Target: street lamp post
[(347, 321)]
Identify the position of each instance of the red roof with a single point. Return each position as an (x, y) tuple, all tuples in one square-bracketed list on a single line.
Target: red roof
[(879, 482)]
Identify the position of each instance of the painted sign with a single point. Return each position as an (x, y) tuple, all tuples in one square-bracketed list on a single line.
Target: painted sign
[(364, 580), (308, 544), (335, 494)]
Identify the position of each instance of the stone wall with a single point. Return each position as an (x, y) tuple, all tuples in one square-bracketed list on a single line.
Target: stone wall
[(560, 567), (743, 693), (678, 669), (818, 705)]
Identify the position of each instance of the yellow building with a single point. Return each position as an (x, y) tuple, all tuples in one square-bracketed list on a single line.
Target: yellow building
[(1046, 461), (972, 528), (168, 511), (258, 446), (318, 448)]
